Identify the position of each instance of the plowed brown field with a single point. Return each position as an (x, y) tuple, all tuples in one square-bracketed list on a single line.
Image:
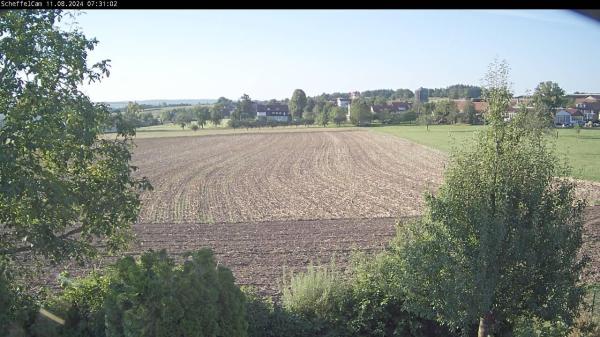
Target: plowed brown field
[(265, 202), (286, 176)]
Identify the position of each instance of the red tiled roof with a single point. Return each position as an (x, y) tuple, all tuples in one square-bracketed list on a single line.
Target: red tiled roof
[(571, 110), (575, 112), (479, 106)]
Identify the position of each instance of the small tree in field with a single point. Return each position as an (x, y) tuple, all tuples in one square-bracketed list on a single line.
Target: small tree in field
[(499, 241), (360, 114), (339, 115)]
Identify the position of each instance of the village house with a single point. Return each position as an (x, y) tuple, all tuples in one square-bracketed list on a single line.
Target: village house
[(273, 112), (589, 107), (398, 107), (480, 105), (393, 107), (562, 117), (343, 102)]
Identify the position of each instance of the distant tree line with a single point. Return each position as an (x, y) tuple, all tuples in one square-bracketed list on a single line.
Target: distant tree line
[(456, 91)]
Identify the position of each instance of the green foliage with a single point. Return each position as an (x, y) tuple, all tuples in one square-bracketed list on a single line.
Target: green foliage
[(471, 113), (535, 327), (309, 118), (17, 306), (216, 113), (323, 115), (153, 297), (444, 112), (375, 305), (150, 297), (81, 305), (500, 239), (297, 103), (315, 293), (425, 119), (267, 319), (548, 96), (61, 185), (360, 113), (194, 127), (184, 117), (202, 115), (7, 298), (244, 108), (456, 91), (367, 302)]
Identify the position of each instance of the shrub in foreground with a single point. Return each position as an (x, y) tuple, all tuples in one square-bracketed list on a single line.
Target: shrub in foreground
[(152, 296), (366, 302)]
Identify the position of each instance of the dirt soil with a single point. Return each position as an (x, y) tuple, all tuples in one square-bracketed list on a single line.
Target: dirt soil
[(269, 202)]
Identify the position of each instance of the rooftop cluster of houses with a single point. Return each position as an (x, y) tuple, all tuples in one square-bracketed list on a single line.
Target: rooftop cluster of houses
[(586, 110), (587, 107)]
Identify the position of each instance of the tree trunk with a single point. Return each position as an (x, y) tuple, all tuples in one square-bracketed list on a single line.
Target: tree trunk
[(485, 325)]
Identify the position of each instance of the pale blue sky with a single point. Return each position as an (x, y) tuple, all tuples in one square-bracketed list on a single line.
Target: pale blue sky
[(170, 54)]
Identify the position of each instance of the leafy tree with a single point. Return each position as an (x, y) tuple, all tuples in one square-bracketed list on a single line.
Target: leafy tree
[(309, 118), (236, 114), (548, 96), (216, 113), (403, 94), (147, 119), (167, 115), (409, 116), (61, 185), (245, 107), (444, 110), (339, 115), (425, 119), (202, 114), (297, 103), (360, 113), (470, 112), (323, 116), (224, 101), (380, 100), (184, 117), (500, 240), (310, 104)]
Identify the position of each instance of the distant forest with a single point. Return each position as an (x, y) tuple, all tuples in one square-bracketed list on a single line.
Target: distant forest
[(455, 91)]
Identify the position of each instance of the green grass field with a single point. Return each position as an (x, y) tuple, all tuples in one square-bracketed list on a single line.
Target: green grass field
[(582, 151)]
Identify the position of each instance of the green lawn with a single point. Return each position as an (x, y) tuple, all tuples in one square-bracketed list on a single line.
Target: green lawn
[(174, 127), (582, 151)]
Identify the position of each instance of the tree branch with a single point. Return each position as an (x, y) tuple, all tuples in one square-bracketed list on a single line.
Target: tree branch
[(22, 249)]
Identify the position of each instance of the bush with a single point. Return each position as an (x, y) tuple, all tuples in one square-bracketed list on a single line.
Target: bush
[(81, 305), (194, 127), (151, 297), (367, 303), (267, 319), (17, 307), (233, 123), (315, 293), (375, 306)]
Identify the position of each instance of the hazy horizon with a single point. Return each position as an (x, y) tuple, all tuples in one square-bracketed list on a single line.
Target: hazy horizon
[(267, 54)]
